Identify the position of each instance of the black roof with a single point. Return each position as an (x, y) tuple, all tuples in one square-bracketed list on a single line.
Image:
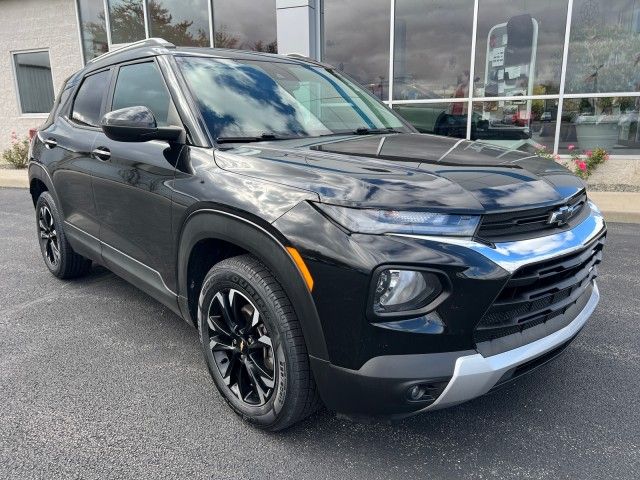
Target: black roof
[(158, 46)]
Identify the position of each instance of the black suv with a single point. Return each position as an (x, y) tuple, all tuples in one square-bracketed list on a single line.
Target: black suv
[(324, 249)]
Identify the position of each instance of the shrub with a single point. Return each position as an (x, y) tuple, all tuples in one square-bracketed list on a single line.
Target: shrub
[(583, 164), (587, 163), (18, 153)]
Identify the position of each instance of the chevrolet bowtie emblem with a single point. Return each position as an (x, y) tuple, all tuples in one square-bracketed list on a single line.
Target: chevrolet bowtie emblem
[(560, 216)]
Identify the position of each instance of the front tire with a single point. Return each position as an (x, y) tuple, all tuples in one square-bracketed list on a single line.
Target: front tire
[(253, 344), (57, 254)]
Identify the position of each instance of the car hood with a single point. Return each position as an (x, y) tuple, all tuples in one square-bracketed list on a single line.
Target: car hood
[(406, 171)]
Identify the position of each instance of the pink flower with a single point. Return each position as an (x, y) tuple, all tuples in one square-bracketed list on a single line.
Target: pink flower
[(543, 148), (556, 157), (589, 153), (571, 147), (606, 157), (582, 166)]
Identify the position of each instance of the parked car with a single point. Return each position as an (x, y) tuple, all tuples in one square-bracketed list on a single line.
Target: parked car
[(545, 117), (325, 250)]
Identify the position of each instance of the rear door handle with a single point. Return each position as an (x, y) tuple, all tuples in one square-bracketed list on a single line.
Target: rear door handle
[(102, 153), (50, 142)]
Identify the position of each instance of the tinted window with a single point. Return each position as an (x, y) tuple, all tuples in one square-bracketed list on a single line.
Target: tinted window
[(142, 85), (180, 22), (35, 86), (93, 28), (519, 47), (245, 24), (126, 18), (86, 107), (604, 48), (432, 45), (361, 52)]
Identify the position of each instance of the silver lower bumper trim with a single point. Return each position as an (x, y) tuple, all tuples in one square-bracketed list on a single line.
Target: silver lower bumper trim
[(475, 375)]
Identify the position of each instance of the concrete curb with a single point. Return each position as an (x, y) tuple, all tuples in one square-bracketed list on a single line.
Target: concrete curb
[(621, 207), (14, 178)]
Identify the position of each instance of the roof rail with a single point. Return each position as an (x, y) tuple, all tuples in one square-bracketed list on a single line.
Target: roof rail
[(149, 42), (299, 56)]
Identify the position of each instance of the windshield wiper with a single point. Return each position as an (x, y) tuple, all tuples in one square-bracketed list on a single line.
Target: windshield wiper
[(374, 131), (262, 138)]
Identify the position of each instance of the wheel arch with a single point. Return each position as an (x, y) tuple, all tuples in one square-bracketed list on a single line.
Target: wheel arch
[(40, 181), (234, 234)]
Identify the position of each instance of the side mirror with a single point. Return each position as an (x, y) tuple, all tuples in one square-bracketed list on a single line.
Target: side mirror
[(137, 124)]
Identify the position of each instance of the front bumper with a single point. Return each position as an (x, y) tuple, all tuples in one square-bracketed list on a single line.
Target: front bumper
[(475, 375), (380, 387)]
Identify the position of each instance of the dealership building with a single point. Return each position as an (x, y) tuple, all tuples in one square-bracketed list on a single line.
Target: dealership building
[(517, 73)]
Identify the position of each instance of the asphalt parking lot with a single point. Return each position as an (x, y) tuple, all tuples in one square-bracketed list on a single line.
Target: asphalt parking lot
[(97, 380)]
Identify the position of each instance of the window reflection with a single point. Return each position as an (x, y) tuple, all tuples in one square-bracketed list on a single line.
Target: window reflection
[(519, 47), (239, 99), (610, 123), (245, 25), (432, 47), (181, 22), (34, 81), (93, 28), (519, 124), (604, 50), (448, 119), (357, 41), (126, 19)]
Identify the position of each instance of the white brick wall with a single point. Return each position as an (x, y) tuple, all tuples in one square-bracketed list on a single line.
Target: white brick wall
[(34, 24)]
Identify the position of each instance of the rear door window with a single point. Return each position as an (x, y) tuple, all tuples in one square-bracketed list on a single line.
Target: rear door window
[(88, 102)]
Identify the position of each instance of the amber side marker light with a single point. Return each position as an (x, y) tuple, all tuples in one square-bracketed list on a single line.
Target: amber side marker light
[(308, 279)]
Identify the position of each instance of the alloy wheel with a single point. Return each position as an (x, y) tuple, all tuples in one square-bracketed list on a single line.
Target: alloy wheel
[(48, 235), (241, 346)]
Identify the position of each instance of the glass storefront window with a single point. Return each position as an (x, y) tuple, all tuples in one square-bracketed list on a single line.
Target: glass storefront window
[(604, 49), (93, 28), (357, 41), (448, 119), (245, 24), (432, 45), (519, 47), (184, 23), (610, 123), (126, 19), (518, 124)]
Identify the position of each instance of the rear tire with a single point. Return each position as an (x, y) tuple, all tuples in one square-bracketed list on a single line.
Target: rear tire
[(253, 345), (58, 255)]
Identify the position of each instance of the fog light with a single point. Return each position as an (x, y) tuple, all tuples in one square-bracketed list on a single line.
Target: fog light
[(416, 392), (404, 290)]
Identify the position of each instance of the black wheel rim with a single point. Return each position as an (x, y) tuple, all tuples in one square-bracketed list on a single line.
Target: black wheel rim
[(241, 346), (48, 236)]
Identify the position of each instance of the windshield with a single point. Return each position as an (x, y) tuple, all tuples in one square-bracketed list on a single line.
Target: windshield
[(265, 98)]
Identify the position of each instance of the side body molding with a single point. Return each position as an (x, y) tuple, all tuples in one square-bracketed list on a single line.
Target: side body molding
[(217, 224)]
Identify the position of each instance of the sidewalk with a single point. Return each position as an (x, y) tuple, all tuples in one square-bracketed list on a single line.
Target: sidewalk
[(621, 207), (14, 178)]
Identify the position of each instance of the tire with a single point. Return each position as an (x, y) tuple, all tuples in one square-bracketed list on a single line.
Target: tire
[(258, 363), (58, 255)]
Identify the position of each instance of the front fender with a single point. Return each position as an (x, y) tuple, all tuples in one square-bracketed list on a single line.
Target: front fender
[(266, 244)]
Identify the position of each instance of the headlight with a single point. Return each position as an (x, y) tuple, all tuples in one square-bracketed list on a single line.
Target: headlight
[(394, 221), (404, 290)]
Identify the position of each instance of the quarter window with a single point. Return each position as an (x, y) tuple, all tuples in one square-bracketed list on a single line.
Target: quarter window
[(35, 85), (88, 102), (141, 84)]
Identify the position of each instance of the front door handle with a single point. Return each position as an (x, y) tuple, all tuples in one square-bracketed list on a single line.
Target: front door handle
[(50, 143), (102, 153)]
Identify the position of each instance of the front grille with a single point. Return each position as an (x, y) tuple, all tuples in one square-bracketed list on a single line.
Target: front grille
[(538, 293), (500, 227)]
